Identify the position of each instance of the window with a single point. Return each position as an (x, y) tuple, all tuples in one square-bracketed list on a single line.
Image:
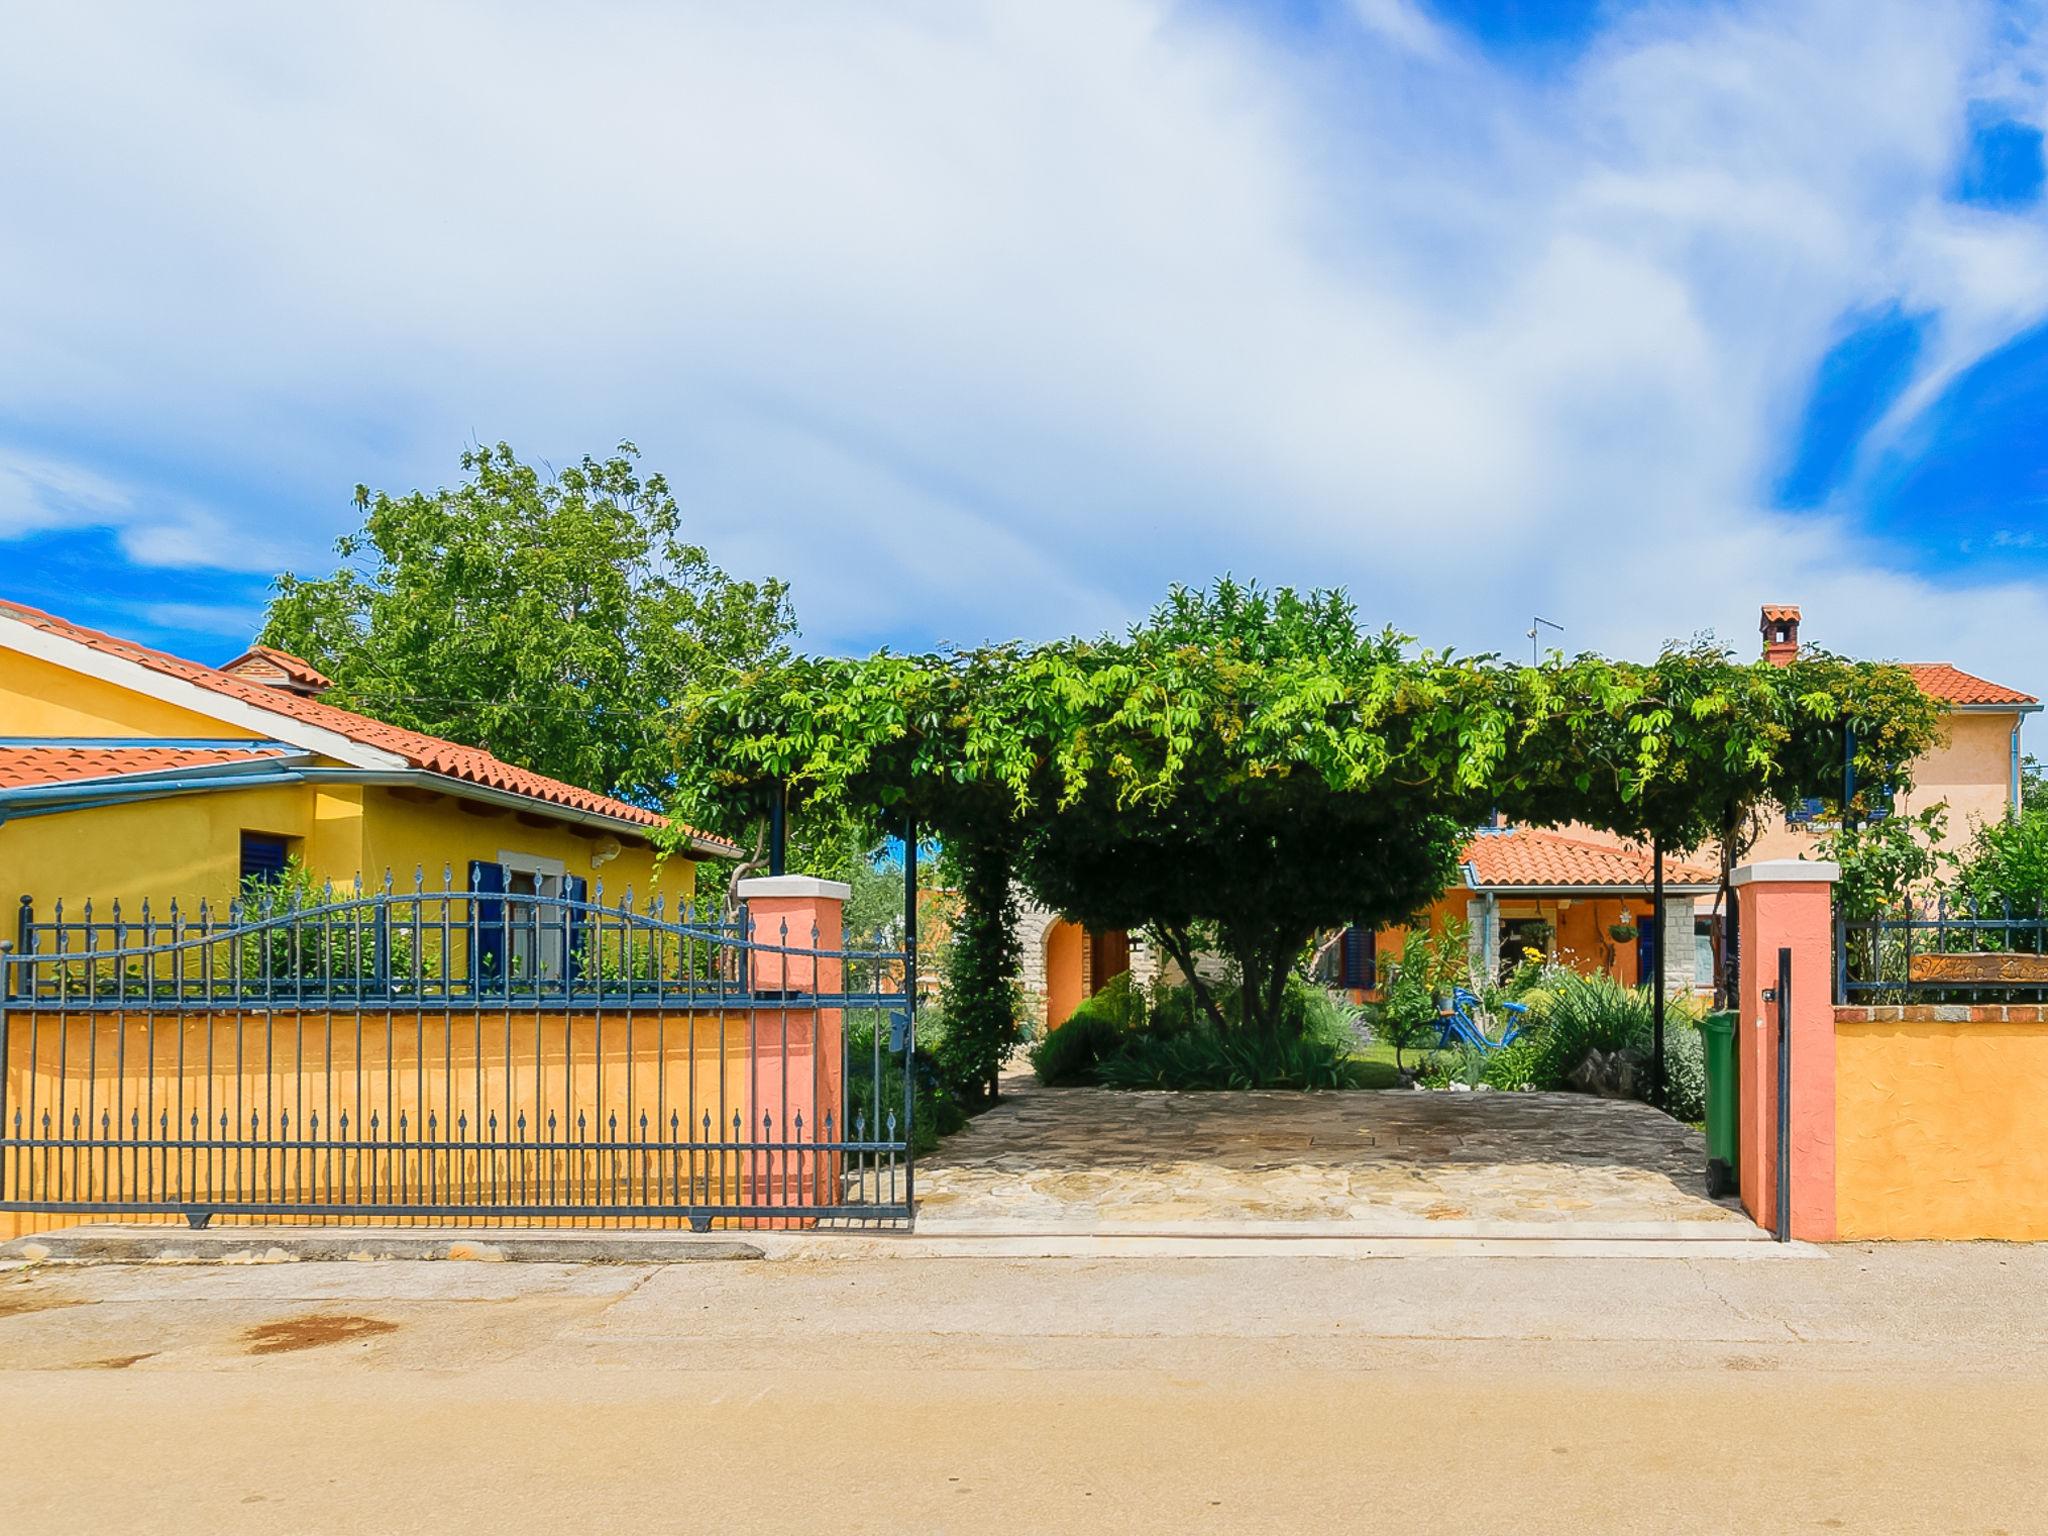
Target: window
[(1703, 951), (1359, 952), (264, 857), (533, 929)]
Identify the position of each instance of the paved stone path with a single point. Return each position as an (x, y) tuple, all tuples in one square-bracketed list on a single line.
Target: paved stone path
[(1397, 1161)]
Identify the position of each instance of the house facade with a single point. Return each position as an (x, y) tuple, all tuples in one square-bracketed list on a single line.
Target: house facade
[(1974, 770), (128, 773)]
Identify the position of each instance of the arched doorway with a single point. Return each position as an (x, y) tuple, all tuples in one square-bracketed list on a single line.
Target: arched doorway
[(1065, 971), (1078, 964)]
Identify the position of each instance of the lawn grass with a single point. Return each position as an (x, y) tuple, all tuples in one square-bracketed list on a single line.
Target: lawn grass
[(1377, 1065)]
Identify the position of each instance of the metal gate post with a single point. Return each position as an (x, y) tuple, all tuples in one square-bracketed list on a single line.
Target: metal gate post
[(909, 1012), (1784, 1010)]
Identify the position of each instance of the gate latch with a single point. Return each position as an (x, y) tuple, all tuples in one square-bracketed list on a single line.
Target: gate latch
[(899, 1030)]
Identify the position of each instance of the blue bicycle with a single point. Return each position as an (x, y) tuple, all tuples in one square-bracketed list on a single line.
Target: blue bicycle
[(1460, 1025)]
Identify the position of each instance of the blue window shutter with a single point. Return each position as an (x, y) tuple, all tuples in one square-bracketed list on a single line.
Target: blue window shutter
[(486, 923), (263, 857), (1352, 971), (576, 891)]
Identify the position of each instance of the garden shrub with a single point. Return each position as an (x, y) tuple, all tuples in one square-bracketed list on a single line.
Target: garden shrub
[(1206, 1059), (935, 1112), (1429, 966), (1120, 1038), (1685, 1070), (1514, 1066), (1583, 1014), (1098, 1029)]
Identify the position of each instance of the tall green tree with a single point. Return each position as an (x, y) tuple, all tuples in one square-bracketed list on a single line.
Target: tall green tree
[(554, 619)]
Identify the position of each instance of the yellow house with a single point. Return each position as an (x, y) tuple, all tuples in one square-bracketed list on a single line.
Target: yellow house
[(127, 773)]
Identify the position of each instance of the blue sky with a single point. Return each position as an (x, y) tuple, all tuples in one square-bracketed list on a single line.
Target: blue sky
[(980, 320)]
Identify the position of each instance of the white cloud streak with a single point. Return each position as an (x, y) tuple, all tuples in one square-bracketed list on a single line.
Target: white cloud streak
[(985, 319)]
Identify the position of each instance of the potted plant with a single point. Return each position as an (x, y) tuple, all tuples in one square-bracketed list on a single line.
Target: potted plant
[(1624, 931)]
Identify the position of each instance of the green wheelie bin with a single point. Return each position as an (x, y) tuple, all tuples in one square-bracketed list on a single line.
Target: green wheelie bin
[(1717, 1034)]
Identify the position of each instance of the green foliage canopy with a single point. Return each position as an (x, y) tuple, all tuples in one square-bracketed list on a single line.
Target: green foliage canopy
[(1258, 766), (551, 619)]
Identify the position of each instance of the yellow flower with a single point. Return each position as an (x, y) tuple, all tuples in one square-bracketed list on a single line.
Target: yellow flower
[(1531, 954)]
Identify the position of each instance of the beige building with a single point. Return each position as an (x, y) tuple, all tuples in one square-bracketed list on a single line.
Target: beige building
[(1974, 770)]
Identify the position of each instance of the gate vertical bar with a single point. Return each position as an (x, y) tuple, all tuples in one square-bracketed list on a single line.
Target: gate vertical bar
[(1784, 1002), (1662, 929), (909, 1011)]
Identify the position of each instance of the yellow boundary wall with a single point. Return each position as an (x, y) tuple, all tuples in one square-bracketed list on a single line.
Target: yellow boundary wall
[(1942, 1122)]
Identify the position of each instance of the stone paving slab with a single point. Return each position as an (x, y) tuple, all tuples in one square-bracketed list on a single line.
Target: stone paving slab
[(1093, 1159)]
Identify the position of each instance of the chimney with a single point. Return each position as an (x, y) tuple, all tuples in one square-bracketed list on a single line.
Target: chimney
[(1780, 628)]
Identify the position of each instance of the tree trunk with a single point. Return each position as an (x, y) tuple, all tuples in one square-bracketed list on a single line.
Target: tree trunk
[(1182, 948)]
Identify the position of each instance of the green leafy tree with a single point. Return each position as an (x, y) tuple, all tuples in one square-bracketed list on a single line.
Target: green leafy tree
[(983, 1018), (2006, 863), (1696, 748), (1886, 862), (553, 619)]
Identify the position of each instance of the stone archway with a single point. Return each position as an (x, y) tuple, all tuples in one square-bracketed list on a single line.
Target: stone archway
[(1060, 962)]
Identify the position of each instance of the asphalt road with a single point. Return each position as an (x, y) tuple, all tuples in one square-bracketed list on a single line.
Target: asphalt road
[(1891, 1389)]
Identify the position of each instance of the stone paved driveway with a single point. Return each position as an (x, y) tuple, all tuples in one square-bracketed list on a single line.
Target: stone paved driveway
[(1088, 1159)]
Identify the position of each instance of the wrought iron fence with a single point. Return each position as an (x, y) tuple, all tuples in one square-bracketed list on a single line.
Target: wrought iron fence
[(1943, 953), (474, 1054)]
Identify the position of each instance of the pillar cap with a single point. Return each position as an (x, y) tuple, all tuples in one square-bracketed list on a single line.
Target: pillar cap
[(794, 885), (1786, 872)]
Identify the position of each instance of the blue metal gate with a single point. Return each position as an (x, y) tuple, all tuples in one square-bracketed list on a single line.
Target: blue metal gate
[(470, 1054)]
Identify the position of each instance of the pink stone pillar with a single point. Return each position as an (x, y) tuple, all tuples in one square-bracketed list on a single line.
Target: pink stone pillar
[(1788, 904), (795, 1050)]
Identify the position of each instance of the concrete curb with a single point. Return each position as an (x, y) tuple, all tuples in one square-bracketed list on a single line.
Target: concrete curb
[(824, 1248), (1388, 1227), (328, 1245)]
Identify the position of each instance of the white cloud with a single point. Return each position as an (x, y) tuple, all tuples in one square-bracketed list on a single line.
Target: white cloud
[(40, 492), (981, 319), (155, 526)]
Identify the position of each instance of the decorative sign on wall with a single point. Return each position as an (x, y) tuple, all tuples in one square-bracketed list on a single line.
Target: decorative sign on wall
[(1974, 970)]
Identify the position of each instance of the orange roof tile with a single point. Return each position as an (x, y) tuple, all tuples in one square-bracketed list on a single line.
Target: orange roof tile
[(1775, 612), (1529, 856), (1952, 685), (22, 767), (472, 765), (267, 664)]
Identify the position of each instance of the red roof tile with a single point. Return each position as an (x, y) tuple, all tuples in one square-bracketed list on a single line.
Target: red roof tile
[(267, 664), (1952, 685), (472, 765), (1527, 856), (21, 767)]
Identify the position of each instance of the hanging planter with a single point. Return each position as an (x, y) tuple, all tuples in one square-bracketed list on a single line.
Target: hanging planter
[(1623, 932)]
